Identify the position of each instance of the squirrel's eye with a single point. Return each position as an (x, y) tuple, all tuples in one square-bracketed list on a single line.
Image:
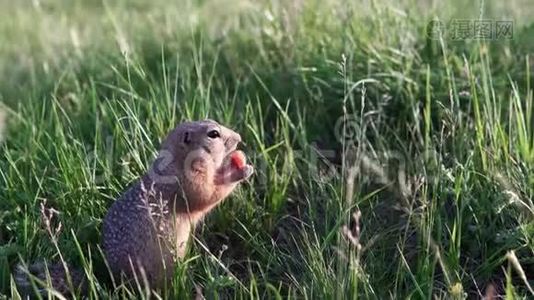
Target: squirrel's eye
[(214, 134)]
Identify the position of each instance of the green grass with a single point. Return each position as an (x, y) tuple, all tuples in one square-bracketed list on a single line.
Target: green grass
[(431, 140)]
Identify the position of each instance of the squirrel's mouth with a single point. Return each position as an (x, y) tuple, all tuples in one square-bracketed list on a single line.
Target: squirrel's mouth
[(234, 161), (234, 167), (230, 157), (231, 147)]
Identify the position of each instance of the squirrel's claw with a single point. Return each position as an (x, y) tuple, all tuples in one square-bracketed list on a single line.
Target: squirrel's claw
[(233, 175), (247, 171)]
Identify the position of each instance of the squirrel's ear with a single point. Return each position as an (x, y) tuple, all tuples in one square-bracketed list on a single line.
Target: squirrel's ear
[(186, 138)]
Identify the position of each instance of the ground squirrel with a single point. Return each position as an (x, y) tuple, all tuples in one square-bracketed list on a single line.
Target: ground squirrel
[(148, 227)]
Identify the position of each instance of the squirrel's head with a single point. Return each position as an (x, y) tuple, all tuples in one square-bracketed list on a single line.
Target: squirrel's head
[(206, 139), (197, 146)]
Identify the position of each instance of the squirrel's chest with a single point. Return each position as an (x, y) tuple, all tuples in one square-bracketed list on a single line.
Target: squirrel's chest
[(139, 219)]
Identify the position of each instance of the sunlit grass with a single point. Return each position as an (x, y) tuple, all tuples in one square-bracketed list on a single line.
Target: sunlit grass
[(343, 108)]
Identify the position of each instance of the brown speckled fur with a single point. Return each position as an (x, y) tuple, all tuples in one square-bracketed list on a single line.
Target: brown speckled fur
[(146, 230)]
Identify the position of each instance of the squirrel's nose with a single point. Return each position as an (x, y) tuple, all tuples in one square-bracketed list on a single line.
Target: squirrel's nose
[(233, 138), (237, 138)]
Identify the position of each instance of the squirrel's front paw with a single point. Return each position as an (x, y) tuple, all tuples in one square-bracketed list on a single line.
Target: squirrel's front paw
[(246, 172), (235, 169)]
